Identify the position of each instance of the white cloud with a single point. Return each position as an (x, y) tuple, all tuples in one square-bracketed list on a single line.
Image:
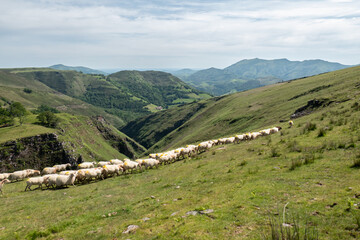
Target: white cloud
[(139, 34)]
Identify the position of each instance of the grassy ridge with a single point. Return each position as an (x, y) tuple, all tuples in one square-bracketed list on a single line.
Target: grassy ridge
[(245, 184), (124, 94), (12, 87), (244, 111)]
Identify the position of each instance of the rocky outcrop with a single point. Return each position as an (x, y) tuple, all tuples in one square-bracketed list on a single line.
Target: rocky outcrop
[(34, 152), (123, 144)]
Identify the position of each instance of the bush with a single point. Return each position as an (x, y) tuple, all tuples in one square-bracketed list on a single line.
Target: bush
[(27, 90), (309, 127), (295, 163), (321, 132), (294, 146), (44, 108), (48, 119), (274, 152)]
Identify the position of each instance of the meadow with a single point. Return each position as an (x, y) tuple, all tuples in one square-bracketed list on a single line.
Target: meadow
[(311, 170)]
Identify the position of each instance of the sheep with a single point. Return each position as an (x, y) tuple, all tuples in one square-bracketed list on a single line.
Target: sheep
[(67, 172), (86, 165), (62, 167), (130, 165), (48, 170), (204, 146), (2, 184), (116, 161), (50, 180), (103, 163), (4, 176), (291, 123), (112, 169), (150, 163), (239, 138), (64, 180), (18, 175), (32, 173), (35, 181)]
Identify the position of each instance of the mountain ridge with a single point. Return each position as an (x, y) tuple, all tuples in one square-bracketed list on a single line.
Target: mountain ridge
[(234, 77)]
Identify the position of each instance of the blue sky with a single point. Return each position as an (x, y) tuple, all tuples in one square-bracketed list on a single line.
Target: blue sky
[(176, 34)]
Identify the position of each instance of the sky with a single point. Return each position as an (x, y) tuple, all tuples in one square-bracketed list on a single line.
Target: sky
[(158, 34)]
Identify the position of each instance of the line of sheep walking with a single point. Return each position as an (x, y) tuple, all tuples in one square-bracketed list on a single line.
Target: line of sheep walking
[(61, 175)]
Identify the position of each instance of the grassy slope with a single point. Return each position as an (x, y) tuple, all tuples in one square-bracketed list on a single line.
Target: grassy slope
[(12, 89), (243, 183), (244, 111)]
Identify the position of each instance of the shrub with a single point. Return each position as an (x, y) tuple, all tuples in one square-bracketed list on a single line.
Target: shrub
[(321, 132), (274, 152), (308, 127), (243, 163), (295, 163), (48, 119), (309, 158), (27, 90), (294, 146), (356, 161)]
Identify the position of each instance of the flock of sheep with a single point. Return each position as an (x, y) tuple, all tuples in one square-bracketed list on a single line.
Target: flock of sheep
[(58, 175)]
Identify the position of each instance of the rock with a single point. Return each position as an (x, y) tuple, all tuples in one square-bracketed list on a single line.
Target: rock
[(177, 187), (146, 219), (193, 213), (174, 213), (207, 211), (131, 229), (153, 197)]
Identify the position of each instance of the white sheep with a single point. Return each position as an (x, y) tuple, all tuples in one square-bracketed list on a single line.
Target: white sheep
[(291, 123), (32, 173), (150, 163), (2, 184), (64, 180), (86, 165), (112, 170), (48, 170), (62, 167), (18, 175), (116, 161), (35, 181), (239, 138), (130, 165), (103, 163), (50, 180), (4, 176)]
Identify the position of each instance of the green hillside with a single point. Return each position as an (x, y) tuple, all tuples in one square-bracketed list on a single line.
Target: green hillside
[(303, 179), (126, 94), (14, 81), (253, 73), (241, 112)]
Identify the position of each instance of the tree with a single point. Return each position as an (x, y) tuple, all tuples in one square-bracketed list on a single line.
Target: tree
[(16, 109), (48, 119)]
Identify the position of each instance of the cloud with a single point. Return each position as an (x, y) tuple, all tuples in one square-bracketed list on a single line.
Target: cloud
[(139, 34)]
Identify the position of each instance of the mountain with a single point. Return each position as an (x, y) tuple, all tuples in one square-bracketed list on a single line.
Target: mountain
[(240, 112), (125, 94), (183, 73), (260, 72), (78, 69)]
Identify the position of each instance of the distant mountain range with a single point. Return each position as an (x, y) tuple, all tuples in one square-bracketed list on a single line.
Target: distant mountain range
[(78, 69), (252, 73)]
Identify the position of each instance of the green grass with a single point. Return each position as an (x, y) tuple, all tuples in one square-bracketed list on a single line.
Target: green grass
[(243, 183), (27, 129)]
